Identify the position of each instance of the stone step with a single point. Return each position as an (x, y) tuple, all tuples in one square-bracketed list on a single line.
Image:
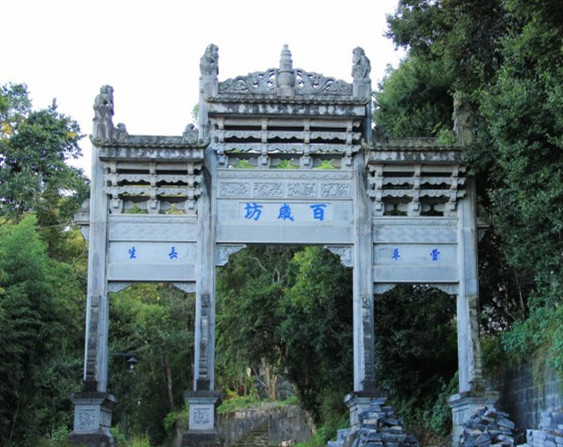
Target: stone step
[(258, 437)]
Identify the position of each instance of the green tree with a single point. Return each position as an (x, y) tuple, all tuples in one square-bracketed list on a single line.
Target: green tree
[(413, 100), (40, 305), (317, 332), (34, 148), (250, 290), (289, 311)]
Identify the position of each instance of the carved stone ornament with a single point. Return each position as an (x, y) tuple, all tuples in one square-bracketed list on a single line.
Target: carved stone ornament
[(103, 113), (209, 62), (361, 66), (190, 134), (224, 252), (202, 416), (344, 252), (87, 419), (120, 132)]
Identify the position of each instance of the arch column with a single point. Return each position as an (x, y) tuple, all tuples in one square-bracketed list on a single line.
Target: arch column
[(473, 394), (93, 405)]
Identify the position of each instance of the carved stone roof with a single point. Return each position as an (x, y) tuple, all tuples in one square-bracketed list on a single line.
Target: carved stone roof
[(273, 99), (150, 147), (290, 85), (412, 150), (149, 141)]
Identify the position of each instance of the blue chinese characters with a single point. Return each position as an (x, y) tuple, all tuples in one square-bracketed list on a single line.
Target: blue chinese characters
[(285, 212)]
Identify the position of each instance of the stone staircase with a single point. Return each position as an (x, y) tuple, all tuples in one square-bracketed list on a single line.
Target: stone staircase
[(258, 437)]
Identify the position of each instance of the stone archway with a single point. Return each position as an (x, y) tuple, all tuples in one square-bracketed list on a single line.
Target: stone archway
[(255, 171)]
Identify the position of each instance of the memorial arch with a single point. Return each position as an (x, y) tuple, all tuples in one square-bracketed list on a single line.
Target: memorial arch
[(283, 156)]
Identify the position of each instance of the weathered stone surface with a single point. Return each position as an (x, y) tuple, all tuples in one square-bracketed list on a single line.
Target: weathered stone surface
[(377, 426), (488, 427)]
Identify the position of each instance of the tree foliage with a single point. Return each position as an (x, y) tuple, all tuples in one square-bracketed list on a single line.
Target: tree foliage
[(154, 323), (288, 311), (34, 148), (504, 58), (40, 305)]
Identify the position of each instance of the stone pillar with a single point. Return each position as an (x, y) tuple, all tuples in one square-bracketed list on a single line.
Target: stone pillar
[(472, 392), (364, 370), (92, 407), (469, 348), (203, 400)]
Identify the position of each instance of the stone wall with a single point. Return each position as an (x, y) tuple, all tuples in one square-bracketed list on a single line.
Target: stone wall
[(286, 423), (526, 394)]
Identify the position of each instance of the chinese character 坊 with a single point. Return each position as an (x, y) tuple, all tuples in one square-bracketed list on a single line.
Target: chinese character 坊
[(253, 211)]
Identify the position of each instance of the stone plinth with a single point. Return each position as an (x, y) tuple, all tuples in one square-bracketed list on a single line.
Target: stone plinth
[(358, 402), (92, 419), (202, 423), (373, 424), (464, 406)]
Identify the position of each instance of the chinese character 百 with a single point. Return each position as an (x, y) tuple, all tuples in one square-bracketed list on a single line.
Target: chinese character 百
[(285, 212), (173, 253), (253, 211), (396, 254), (434, 253), (132, 253), (318, 211)]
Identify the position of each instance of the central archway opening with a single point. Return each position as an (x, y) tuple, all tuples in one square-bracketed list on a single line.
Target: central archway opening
[(284, 328)]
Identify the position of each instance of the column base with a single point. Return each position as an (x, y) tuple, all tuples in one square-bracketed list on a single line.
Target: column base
[(465, 405), (202, 423), (359, 401), (373, 423), (92, 419)]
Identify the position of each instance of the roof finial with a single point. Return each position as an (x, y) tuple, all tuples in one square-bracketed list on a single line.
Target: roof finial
[(286, 75), (361, 68)]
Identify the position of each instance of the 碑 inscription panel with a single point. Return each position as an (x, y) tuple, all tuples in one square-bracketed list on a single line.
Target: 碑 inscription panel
[(201, 416), (284, 222), (151, 261), (415, 263)]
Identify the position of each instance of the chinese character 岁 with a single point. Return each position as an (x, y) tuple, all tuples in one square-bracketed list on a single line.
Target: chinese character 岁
[(285, 212)]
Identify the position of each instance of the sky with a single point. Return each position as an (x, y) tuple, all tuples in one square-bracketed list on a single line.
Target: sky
[(149, 51)]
